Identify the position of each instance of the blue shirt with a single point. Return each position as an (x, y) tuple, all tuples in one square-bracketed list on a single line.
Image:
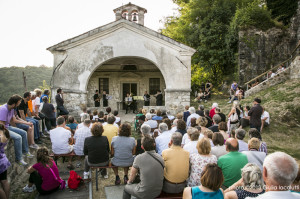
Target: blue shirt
[(157, 117), (41, 99), (197, 193), (72, 126)]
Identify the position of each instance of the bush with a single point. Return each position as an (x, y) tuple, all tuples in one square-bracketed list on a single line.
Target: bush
[(255, 14)]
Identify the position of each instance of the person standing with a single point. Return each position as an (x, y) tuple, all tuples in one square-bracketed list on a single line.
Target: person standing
[(104, 98), (60, 102), (97, 99), (255, 114), (146, 99), (128, 102), (159, 98), (233, 88)]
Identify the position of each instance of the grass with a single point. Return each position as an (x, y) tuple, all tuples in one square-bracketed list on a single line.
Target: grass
[(283, 103)]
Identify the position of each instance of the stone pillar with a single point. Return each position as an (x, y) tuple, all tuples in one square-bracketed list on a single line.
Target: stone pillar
[(141, 15), (177, 99), (73, 100)]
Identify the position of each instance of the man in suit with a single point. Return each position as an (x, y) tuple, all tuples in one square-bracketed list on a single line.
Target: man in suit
[(60, 102), (97, 99), (159, 98), (146, 99)]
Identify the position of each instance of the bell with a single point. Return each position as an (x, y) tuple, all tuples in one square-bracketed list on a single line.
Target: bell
[(134, 18)]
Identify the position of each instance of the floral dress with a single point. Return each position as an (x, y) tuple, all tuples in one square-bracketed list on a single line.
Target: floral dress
[(197, 164)]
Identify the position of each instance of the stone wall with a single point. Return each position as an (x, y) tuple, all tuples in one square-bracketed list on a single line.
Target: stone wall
[(277, 79), (260, 51), (292, 72), (295, 68), (17, 175)]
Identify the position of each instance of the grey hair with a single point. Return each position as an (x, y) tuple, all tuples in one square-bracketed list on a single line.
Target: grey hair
[(176, 139), (163, 127), (84, 117), (281, 167), (148, 116), (217, 118), (175, 122), (192, 110), (240, 134), (252, 176), (145, 129), (201, 107)]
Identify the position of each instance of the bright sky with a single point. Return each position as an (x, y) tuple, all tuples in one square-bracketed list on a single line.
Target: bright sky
[(28, 27)]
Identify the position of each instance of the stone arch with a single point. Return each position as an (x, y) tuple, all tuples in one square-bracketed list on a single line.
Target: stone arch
[(132, 57)]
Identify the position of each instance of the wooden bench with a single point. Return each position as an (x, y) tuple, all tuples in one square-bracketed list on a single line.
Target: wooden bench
[(103, 167), (164, 195), (57, 156)]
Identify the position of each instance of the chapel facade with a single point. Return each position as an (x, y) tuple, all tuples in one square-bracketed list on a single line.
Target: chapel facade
[(120, 57)]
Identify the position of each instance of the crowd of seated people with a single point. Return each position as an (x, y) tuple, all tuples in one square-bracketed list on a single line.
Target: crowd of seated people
[(192, 158)]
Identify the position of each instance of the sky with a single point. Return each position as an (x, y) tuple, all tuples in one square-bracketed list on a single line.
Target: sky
[(28, 27)]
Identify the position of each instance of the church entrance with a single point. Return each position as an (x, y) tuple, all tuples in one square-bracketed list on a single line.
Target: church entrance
[(128, 88)]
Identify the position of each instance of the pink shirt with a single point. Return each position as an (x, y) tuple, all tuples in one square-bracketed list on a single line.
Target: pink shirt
[(49, 181)]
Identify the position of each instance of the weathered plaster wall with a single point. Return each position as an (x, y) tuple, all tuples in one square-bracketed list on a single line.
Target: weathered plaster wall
[(123, 40), (259, 51)]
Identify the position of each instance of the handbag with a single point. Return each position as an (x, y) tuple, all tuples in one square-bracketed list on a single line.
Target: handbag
[(61, 182), (234, 117)]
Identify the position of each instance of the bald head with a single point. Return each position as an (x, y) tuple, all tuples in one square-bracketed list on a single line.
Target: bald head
[(232, 144)]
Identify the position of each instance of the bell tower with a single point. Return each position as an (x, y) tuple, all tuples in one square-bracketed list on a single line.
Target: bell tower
[(131, 12)]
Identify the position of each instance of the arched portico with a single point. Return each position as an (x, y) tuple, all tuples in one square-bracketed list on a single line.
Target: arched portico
[(103, 51)]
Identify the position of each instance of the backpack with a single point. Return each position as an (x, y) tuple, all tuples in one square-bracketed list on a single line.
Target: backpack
[(74, 180)]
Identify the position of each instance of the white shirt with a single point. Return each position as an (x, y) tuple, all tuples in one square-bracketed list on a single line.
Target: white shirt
[(60, 140), (218, 151), (191, 147), (174, 129), (171, 117), (33, 105), (36, 102), (278, 195), (118, 119), (162, 141), (185, 139), (151, 123), (243, 146), (266, 115), (79, 137), (95, 117), (193, 115), (81, 125)]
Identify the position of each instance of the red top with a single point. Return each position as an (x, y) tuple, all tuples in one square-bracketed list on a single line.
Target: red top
[(49, 181), (212, 112)]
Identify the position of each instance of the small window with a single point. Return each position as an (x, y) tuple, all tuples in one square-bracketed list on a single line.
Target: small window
[(104, 85), (129, 67), (154, 85)]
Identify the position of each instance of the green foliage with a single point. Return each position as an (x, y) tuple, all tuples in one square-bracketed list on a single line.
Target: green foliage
[(11, 81), (282, 10), (255, 14), (205, 26)]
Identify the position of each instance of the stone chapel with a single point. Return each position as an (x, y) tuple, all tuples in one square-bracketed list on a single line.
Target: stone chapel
[(119, 57)]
